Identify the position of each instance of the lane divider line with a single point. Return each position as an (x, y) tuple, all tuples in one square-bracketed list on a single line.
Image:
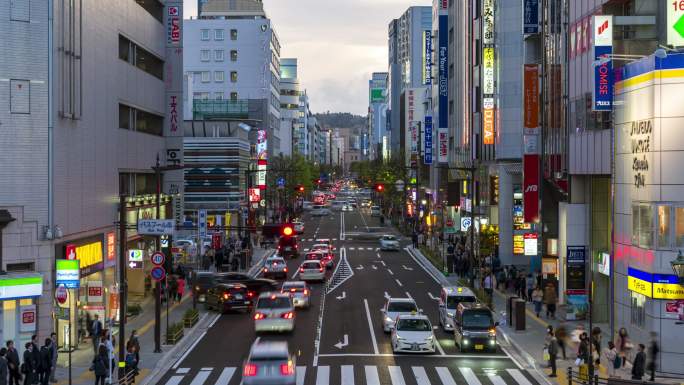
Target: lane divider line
[(370, 327), (390, 271), (399, 283)]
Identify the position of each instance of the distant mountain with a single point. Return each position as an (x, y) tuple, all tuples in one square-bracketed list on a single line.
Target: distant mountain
[(341, 120)]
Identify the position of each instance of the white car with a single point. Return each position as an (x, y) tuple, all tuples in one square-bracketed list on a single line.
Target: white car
[(347, 207), (298, 227), (275, 267), (312, 270), (389, 242), (320, 211), (329, 256), (394, 307), (269, 362), (298, 291), (413, 334), (274, 312)]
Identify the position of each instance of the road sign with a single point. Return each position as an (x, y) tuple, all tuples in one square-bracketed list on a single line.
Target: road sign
[(135, 255), (157, 258), (202, 223), (262, 203), (399, 185), (281, 182), (158, 273), (61, 294), (156, 226), (465, 223), (135, 265), (675, 23)]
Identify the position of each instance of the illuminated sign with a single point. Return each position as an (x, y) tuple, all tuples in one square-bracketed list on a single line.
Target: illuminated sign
[(602, 95), (658, 286), (111, 246), (173, 23), (90, 258), (21, 286), (531, 98), (603, 263), (488, 70), (518, 244), (488, 22), (443, 145), (488, 121), (427, 57), (261, 176), (443, 100), (427, 141), (254, 195), (67, 273), (262, 145), (530, 244)]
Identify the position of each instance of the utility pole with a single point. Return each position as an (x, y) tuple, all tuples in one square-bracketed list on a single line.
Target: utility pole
[(123, 286), (157, 294)]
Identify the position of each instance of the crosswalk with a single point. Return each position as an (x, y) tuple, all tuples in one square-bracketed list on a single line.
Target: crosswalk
[(364, 375), (354, 248), (313, 239)]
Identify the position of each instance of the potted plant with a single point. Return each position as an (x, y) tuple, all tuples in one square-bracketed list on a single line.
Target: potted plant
[(190, 318), (174, 333)]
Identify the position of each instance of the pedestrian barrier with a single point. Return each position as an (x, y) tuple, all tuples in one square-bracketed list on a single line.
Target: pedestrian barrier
[(582, 376)]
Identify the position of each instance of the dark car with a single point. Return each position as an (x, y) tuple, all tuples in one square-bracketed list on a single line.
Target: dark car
[(256, 285), (201, 282), (288, 247), (227, 297)]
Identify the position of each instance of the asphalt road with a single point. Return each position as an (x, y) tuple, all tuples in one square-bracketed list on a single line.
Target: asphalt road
[(351, 308)]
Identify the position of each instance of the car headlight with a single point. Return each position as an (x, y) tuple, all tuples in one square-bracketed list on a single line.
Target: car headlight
[(465, 341), (492, 342), (399, 338)]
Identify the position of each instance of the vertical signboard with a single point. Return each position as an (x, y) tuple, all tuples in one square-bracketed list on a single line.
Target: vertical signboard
[(602, 95), (531, 187), (427, 57), (530, 16), (531, 99), (488, 70), (675, 22), (443, 145), (488, 22), (202, 223), (443, 70), (427, 140), (488, 121)]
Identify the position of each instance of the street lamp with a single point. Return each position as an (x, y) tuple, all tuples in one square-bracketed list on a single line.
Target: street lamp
[(678, 267)]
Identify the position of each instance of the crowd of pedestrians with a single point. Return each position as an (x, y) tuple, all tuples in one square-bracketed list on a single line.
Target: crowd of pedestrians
[(229, 253), (36, 366)]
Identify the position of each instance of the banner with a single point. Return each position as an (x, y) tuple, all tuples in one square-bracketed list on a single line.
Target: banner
[(530, 16), (427, 58), (488, 121), (427, 141), (602, 95), (488, 70), (531, 187), (443, 145), (443, 70), (531, 99)]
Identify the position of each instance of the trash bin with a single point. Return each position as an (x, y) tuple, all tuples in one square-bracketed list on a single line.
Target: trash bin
[(509, 309), (519, 317)]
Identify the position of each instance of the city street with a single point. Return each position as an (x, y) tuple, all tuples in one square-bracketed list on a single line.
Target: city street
[(339, 339)]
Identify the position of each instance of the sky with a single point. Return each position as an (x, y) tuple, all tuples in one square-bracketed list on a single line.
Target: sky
[(338, 43)]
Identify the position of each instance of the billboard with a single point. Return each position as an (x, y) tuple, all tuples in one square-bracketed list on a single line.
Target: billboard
[(488, 22), (427, 57), (531, 187), (531, 99), (427, 141), (602, 95), (488, 121), (443, 71), (262, 145)]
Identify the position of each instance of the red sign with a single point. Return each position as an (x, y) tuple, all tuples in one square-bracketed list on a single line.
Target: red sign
[(531, 97), (94, 291), (254, 195), (450, 223), (111, 246), (61, 294), (173, 113), (216, 241), (531, 187), (71, 251), (28, 317)]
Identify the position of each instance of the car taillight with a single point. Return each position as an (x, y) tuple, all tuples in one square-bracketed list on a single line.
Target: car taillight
[(301, 269), (285, 269), (226, 295), (306, 291), (293, 290), (250, 294), (288, 315), (258, 316), (265, 269), (296, 246), (320, 269), (250, 370), (287, 369)]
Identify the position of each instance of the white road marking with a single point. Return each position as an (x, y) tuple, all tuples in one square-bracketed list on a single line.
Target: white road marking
[(396, 376), (225, 376), (518, 376), (174, 380), (209, 369), (352, 248), (372, 377), (378, 254), (433, 297), (341, 226), (407, 268), (496, 380), (323, 375), (182, 370), (421, 376), (369, 248), (383, 263), (301, 374), (390, 271), (370, 327), (343, 343), (359, 267), (408, 294), (399, 283), (347, 374), (445, 376), (201, 377), (469, 376), (387, 295), (374, 267), (479, 356), (439, 346), (192, 346), (343, 296), (296, 272)]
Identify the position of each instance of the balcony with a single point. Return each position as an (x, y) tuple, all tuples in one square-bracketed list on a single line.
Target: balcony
[(220, 109)]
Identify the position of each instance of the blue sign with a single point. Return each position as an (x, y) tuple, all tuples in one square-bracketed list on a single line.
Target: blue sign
[(443, 71), (428, 57), (531, 16), (157, 273), (427, 140), (281, 181), (602, 97), (202, 223)]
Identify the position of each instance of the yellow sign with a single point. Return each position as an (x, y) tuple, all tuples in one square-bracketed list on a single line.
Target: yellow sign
[(640, 286), (518, 244), (668, 291), (89, 254)]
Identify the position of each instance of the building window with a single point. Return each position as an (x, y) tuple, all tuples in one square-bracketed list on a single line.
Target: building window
[(206, 76), (233, 34), (218, 95), (638, 310), (204, 34), (139, 57), (131, 118), (20, 10), (219, 54), (233, 76), (679, 227), (233, 96), (125, 117), (219, 76), (204, 55), (642, 225), (20, 96), (218, 34), (233, 55), (664, 217)]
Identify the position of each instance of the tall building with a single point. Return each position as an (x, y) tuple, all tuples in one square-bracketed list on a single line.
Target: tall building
[(377, 116), (90, 104), (289, 105)]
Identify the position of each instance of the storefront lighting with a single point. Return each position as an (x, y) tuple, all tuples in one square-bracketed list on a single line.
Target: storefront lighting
[(678, 267), (484, 221), (423, 202)]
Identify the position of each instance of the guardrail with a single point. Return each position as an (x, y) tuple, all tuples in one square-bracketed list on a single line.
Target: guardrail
[(582, 376)]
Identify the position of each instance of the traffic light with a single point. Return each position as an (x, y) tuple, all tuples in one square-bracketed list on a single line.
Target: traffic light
[(379, 187), (287, 230), (299, 188)]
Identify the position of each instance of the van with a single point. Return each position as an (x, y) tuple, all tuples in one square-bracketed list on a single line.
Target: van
[(449, 298), (474, 328)]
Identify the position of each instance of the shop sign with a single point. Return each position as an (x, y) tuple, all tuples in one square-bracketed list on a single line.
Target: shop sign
[(254, 195), (90, 257), (70, 251), (67, 273), (675, 23), (518, 244), (156, 226), (427, 57), (530, 187), (261, 175), (488, 121), (488, 70), (549, 267), (530, 16), (494, 190), (262, 145), (530, 244), (427, 140), (173, 25), (443, 70), (603, 263), (202, 223), (61, 294), (488, 22), (443, 145), (111, 246), (658, 286), (531, 99), (640, 135), (135, 255), (413, 126), (95, 291), (28, 318), (575, 268), (602, 95), (675, 310), (466, 222)]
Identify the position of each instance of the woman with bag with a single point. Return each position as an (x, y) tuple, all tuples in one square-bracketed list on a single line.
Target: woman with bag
[(101, 365), (624, 345), (131, 365), (613, 360)]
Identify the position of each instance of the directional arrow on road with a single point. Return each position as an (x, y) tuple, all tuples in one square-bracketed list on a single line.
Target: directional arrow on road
[(374, 267), (342, 344), (343, 296), (387, 295), (433, 297), (359, 267), (407, 268)]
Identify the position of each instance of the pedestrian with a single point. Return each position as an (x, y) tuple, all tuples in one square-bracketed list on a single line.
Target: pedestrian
[(612, 359), (583, 356), (552, 348), (54, 354), (135, 343), (173, 289), (501, 279), (101, 366), (520, 284), (13, 363), (131, 365), (653, 350), (624, 345), (529, 285), (488, 285), (562, 338), (108, 341), (639, 363), (537, 297), (219, 261), (181, 288), (550, 299), (596, 342), (30, 364), (36, 358), (4, 366), (45, 364), (96, 332)]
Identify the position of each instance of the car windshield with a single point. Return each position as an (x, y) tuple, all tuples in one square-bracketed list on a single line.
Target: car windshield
[(477, 319), (454, 300), (293, 288), (414, 325), (401, 307), (204, 279), (314, 256), (273, 303)]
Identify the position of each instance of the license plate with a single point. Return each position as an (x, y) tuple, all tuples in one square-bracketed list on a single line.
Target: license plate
[(414, 347), (238, 296), (479, 347), (246, 302)]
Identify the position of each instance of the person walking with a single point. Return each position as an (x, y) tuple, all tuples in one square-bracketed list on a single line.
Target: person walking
[(537, 297), (612, 359), (639, 364), (181, 288), (488, 286), (101, 365), (552, 348), (596, 342), (96, 333), (29, 367), (173, 289), (583, 355), (53, 356), (624, 345), (135, 343), (653, 350), (550, 300), (131, 365), (562, 338), (13, 363), (45, 364), (4, 366), (529, 286)]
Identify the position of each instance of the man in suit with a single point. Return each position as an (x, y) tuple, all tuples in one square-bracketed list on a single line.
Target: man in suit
[(639, 365), (96, 333), (13, 363), (54, 354)]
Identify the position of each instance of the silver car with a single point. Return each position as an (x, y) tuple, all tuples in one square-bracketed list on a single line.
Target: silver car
[(274, 312), (298, 291), (389, 242), (275, 267), (394, 307), (312, 270), (269, 363)]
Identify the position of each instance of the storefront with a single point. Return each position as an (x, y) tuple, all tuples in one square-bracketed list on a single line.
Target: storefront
[(19, 314)]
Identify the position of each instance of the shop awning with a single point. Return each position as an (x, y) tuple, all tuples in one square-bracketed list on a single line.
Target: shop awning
[(21, 285)]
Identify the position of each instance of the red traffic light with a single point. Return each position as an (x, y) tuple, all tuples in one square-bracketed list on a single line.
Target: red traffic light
[(299, 188), (379, 187), (287, 230)]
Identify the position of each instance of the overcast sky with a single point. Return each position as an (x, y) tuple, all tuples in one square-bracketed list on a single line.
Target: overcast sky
[(339, 43)]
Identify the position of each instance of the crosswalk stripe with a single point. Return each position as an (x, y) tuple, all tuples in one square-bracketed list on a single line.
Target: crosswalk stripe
[(445, 376), (301, 374), (469, 376), (518, 376), (182, 370), (347, 375), (200, 377), (372, 377), (496, 380), (323, 375), (174, 380), (352, 248), (396, 376), (225, 376), (421, 376)]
